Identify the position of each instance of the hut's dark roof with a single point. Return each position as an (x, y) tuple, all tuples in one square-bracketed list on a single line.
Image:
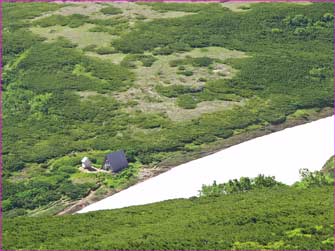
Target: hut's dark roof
[(117, 160)]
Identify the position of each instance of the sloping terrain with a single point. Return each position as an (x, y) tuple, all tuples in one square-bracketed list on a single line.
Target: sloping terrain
[(281, 218), (161, 81)]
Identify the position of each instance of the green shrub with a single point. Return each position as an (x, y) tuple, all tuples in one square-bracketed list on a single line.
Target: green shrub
[(91, 47), (130, 60), (253, 219), (187, 101), (111, 10), (73, 21), (172, 90), (186, 73), (163, 51), (105, 50), (281, 74), (237, 186), (316, 178)]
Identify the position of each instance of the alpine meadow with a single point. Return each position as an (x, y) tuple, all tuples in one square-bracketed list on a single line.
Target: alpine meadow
[(164, 83)]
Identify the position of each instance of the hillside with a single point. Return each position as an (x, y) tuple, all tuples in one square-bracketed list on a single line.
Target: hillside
[(246, 214), (276, 218), (164, 82)]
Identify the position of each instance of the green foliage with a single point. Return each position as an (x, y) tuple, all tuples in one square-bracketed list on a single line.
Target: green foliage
[(149, 121), (57, 101), (65, 43), (274, 59), (130, 60), (111, 10), (297, 21), (276, 218), (328, 168), (16, 15), (185, 73), (75, 191), (113, 25), (187, 101), (316, 178), (90, 47), (73, 21), (15, 43), (167, 50), (237, 186), (196, 62), (50, 67), (105, 50), (165, 7), (172, 90)]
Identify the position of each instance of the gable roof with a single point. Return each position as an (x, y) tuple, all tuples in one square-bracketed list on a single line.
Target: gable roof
[(117, 160)]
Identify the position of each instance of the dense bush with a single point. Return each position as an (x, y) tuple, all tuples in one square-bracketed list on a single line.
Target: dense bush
[(278, 218), (148, 120), (187, 101), (16, 15), (173, 90), (130, 60), (73, 21), (196, 62), (113, 26), (105, 50), (111, 10), (237, 186), (164, 7), (186, 73), (58, 102), (316, 178)]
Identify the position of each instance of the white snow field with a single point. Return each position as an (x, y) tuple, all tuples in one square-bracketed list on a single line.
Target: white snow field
[(280, 154)]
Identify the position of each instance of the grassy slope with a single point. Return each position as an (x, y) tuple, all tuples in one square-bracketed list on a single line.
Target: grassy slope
[(278, 218), (60, 105)]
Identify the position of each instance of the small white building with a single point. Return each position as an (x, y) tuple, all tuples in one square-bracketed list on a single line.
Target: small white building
[(86, 163)]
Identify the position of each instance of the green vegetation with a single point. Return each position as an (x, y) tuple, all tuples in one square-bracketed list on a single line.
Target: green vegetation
[(197, 62), (328, 168), (253, 214), (244, 184), (130, 60), (78, 84), (172, 90), (181, 7), (110, 10), (318, 178), (309, 179), (72, 21)]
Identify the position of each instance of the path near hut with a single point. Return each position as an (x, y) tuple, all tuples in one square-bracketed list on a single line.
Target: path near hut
[(280, 154)]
